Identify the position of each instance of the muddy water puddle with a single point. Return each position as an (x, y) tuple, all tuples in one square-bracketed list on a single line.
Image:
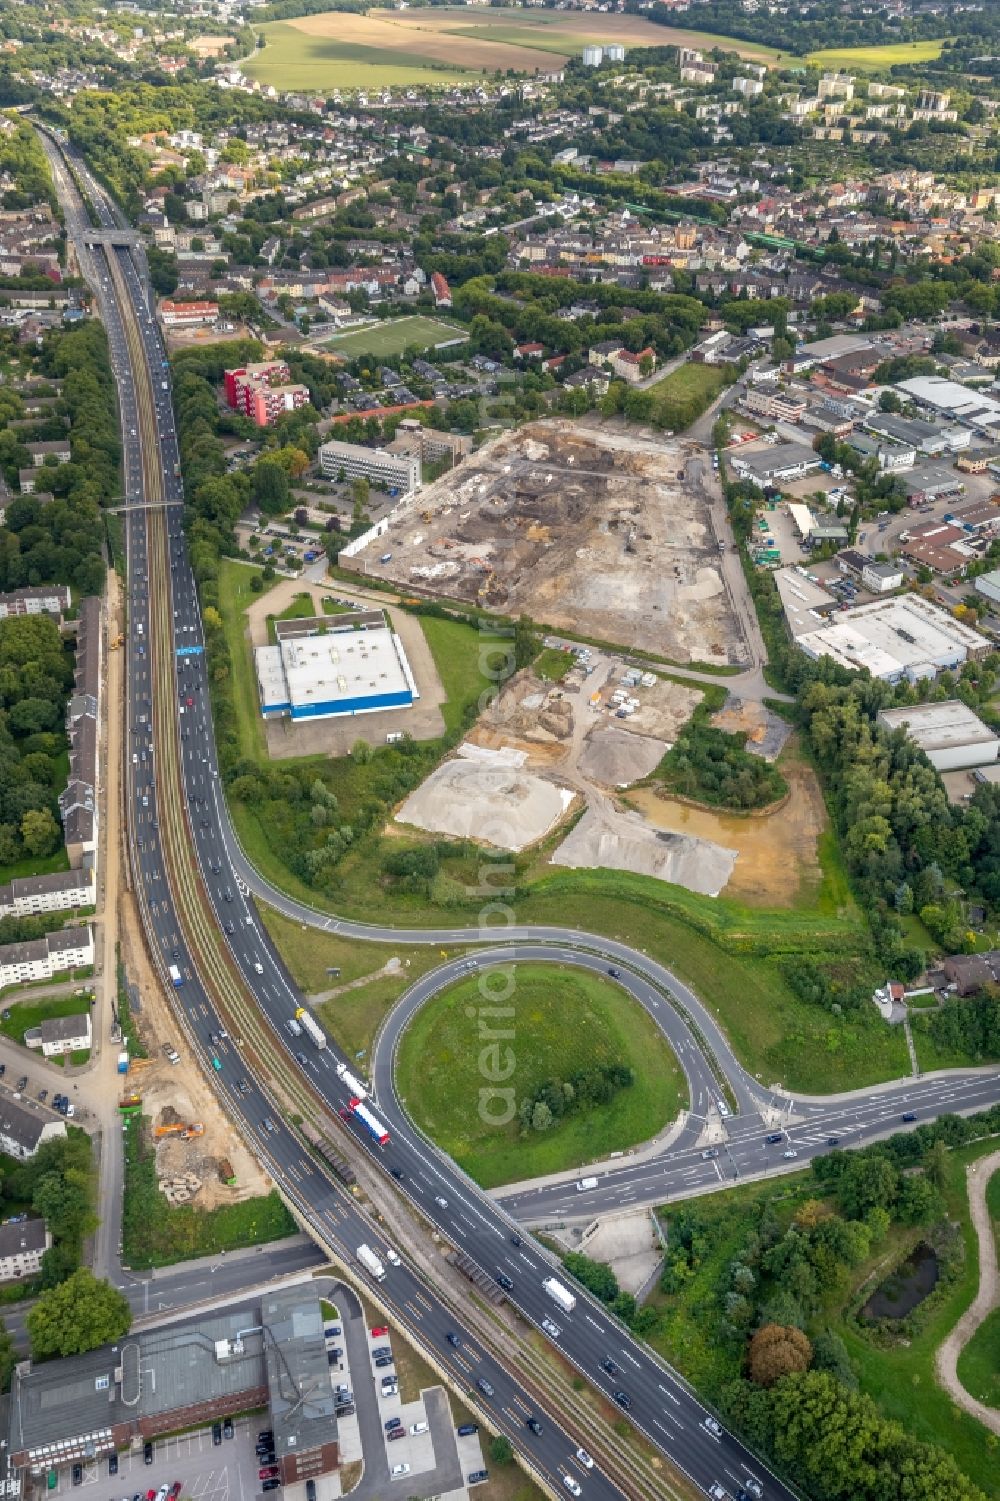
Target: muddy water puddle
[(775, 852)]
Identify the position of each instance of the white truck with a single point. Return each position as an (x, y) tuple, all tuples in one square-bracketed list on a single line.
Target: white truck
[(560, 1294), (351, 1082), (311, 1027), (371, 1263)]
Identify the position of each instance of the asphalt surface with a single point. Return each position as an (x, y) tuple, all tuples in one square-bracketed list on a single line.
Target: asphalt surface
[(659, 1402)]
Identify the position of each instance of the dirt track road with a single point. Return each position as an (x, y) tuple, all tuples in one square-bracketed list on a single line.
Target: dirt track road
[(977, 1177)]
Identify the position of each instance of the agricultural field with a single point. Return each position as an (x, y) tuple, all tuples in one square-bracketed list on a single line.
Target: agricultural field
[(875, 59), (392, 337), (447, 45), (564, 1021)]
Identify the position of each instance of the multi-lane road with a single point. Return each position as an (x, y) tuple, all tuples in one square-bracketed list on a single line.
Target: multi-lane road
[(194, 886)]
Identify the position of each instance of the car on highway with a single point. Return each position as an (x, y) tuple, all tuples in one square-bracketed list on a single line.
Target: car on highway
[(789, 1152), (485, 1387), (551, 1329), (773, 1137), (623, 1399), (584, 1459), (443, 1203), (614, 972), (533, 1424), (572, 1485), (453, 1340), (609, 1366), (712, 1425), (710, 1153), (833, 1141), (504, 1281), (910, 1115)]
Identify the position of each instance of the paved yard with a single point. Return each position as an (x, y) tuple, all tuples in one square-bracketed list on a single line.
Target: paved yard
[(207, 1472)]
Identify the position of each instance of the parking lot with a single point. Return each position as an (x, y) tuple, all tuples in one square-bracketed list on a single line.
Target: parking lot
[(207, 1472)]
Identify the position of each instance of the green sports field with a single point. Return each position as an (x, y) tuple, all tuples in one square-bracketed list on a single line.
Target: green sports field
[(392, 337)]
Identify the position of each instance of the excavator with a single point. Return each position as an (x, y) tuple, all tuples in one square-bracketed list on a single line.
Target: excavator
[(178, 1128)]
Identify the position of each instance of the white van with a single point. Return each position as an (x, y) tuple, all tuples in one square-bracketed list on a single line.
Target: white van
[(585, 1183)]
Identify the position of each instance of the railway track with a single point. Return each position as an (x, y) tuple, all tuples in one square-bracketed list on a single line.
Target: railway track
[(637, 1476)]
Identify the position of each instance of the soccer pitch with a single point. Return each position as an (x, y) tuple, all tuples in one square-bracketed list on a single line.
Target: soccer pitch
[(392, 337)]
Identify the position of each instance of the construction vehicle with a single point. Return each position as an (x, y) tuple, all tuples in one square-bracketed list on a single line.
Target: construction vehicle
[(130, 1103), (226, 1173), (178, 1128)]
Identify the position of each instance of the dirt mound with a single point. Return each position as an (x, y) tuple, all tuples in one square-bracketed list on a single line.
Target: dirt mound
[(617, 758), (486, 795), (623, 842)]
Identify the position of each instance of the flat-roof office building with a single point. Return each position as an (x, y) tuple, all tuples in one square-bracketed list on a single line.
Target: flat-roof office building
[(334, 665)]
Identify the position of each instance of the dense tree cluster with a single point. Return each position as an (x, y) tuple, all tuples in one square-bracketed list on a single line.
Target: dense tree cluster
[(35, 676), (59, 1184), (76, 1316), (61, 541), (712, 766), (967, 1028), (553, 1099), (836, 1445)]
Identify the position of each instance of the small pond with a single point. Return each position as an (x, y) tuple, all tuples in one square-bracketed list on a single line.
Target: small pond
[(909, 1285)]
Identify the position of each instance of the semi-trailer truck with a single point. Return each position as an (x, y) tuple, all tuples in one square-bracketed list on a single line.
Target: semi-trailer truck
[(311, 1026), (351, 1082), (560, 1294), (176, 978), (371, 1263)]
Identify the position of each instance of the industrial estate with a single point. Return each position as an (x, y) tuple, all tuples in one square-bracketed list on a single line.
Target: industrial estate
[(500, 751)]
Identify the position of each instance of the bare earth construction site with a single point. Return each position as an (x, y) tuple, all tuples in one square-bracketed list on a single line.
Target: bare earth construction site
[(581, 528)]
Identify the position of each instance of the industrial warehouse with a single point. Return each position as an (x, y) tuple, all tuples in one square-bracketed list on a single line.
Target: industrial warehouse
[(332, 665), (905, 637)]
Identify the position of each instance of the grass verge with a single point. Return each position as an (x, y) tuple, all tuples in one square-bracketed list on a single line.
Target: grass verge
[(153, 1234), (456, 1081)]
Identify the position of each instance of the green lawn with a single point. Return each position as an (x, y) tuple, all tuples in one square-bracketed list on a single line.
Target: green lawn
[(393, 336), (294, 60), (32, 866), (691, 385), (235, 597), (153, 1234), (552, 664), (464, 662), (27, 1014), (875, 59), (563, 1021), (979, 1362)]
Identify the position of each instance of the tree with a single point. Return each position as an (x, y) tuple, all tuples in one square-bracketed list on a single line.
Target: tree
[(269, 487), (777, 1350), (80, 1314), (39, 831), (501, 1450)]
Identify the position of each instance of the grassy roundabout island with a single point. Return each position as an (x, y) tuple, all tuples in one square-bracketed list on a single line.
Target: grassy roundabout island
[(564, 1022)]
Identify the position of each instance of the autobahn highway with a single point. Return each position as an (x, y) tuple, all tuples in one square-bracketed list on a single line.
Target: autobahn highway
[(200, 917)]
